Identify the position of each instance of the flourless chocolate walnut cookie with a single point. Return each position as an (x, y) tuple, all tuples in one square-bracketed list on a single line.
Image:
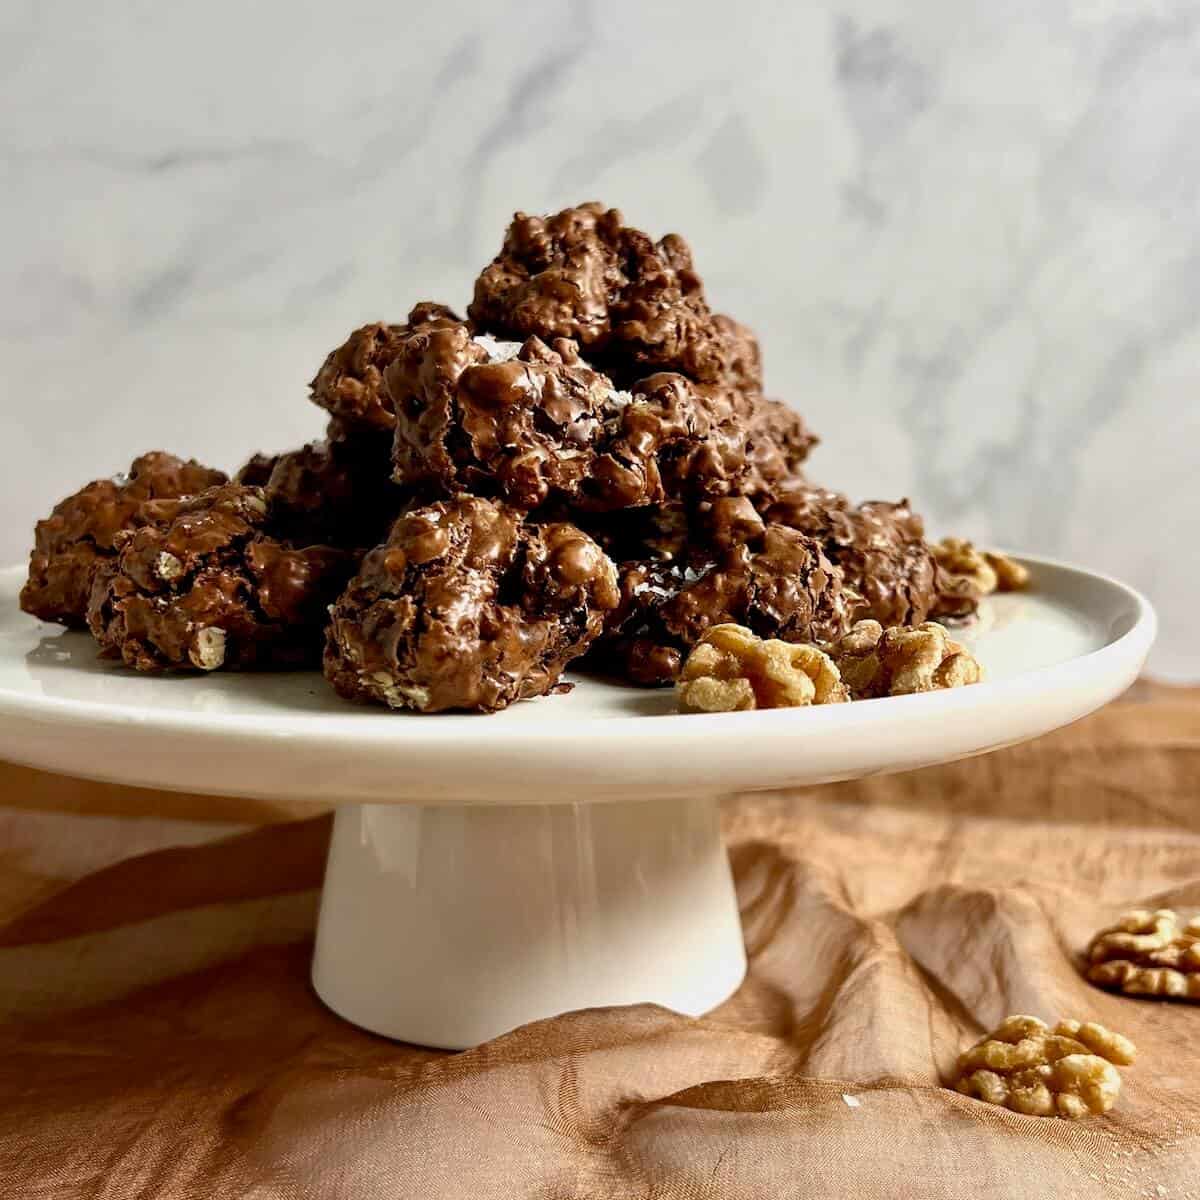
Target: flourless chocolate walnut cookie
[(337, 491), (779, 442), (531, 423), (256, 470), (80, 534), (207, 586), (468, 606), (879, 546), (742, 354), (350, 384), (676, 530), (633, 304), (778, 584)]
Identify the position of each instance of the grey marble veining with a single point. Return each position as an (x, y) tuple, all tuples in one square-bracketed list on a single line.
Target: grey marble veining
[(968, 234)]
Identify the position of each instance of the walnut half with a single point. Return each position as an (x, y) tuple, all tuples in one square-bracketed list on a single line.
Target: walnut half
[(874, 661), (1068, 1071), (1011, 576), (986, 571), (1148, 954), (731, 669), (958, 557)]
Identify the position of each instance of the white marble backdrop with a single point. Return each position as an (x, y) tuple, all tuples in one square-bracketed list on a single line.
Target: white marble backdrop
[(968, 233)]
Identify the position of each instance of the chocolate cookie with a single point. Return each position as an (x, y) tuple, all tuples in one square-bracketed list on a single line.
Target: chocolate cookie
[(80, 533), (778, 441), (675, 531), (350, 384), (882, 551), (337, 491), (660, 531), (467, 606), (777, 583), (742, 366), (207, 586), (634, 305), (256, 470), (532, 423)]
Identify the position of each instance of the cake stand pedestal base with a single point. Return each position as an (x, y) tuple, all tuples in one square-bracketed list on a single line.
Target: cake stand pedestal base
[(447, 926)]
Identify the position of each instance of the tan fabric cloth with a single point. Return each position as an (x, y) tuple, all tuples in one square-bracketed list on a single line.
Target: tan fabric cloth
[(158, 1036)]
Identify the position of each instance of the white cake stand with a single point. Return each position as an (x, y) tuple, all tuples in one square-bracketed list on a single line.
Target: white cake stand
[(489, 871)]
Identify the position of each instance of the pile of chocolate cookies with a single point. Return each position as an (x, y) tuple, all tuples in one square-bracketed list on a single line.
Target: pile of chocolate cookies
[(583, 471)]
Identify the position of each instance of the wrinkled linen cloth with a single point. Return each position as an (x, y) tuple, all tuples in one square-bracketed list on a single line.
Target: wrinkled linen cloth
[(159, 1037)]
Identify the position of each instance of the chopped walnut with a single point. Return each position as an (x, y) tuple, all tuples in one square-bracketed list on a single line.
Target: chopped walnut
[(959, 558), (1068, 1071), (208, 653), (1011, 576), (168, 567), (731, 669), (1148, 954), (874, 661)]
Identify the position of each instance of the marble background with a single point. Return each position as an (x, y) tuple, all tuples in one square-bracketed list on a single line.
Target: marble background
[(967, 232)]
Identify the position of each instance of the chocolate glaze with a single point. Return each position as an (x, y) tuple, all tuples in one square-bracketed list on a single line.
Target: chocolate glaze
[(632, 303), (467, 606), (207, 587), (80, 534), (350, 384), (778, 583)]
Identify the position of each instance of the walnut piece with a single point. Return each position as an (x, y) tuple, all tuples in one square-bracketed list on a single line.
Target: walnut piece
[(959, 557), (732, 669), (1148, 954), (983, 571), (1068, 1071), (1011, 576), (902, 659)]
